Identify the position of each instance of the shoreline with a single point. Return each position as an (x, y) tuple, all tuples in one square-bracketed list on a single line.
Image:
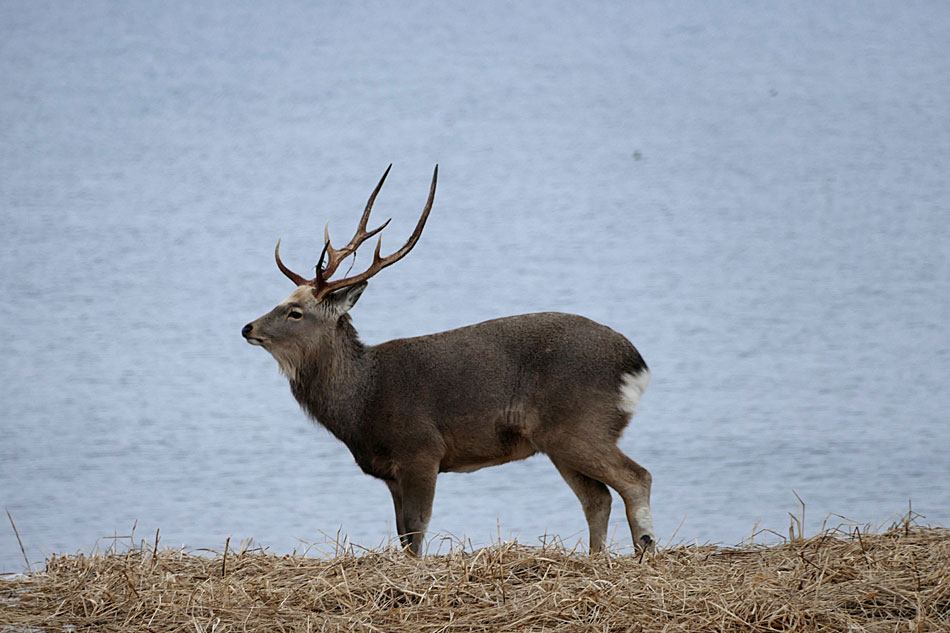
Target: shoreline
[(838, 580)]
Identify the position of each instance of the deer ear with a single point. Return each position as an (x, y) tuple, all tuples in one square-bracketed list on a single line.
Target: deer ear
[(341, 301)]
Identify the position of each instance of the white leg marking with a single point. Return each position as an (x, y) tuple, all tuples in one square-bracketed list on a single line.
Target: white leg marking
[(645, 520)]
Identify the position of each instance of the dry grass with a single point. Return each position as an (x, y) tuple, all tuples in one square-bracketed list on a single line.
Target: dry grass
[(840, 580)]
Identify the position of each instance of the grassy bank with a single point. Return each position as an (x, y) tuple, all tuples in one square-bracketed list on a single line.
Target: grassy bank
[(898, 580)]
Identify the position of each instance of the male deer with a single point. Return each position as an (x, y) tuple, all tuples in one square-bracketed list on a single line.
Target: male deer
[(457, 401)]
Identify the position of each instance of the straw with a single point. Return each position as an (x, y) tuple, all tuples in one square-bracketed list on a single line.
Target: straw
[(843, 579)]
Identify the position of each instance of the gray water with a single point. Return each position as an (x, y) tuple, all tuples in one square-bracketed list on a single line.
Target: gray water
[(756, 194)]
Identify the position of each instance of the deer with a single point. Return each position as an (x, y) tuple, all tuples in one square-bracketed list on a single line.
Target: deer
[(464, 399)]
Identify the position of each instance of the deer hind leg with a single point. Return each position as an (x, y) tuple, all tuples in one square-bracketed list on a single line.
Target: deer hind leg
[(595, 500), (416, 491), (633, 482), (612, 467)]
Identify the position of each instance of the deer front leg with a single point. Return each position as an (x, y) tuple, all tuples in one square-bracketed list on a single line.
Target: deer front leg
[(416, 492)]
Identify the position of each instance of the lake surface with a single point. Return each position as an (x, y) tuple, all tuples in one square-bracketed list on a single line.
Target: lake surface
[(757, 195)]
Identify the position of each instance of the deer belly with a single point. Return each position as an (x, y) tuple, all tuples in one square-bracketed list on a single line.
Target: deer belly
[(487, 439), (471, 460), (470, 467)]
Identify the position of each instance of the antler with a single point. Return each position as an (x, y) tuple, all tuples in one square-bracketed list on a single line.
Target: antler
[(321, 284)]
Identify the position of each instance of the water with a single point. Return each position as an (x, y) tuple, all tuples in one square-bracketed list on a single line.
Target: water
[(756, 195)]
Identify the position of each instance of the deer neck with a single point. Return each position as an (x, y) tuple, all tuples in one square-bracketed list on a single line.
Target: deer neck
[(333, 380)]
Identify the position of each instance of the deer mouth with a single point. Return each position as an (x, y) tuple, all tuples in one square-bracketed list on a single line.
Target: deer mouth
[(247, 332)]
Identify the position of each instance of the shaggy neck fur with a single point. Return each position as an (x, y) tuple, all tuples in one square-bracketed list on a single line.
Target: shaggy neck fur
[(330, 379)]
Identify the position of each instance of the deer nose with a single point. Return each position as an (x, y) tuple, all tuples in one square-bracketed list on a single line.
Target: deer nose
[(247, 330)]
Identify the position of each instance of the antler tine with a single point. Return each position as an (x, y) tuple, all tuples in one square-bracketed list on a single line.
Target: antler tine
[(402, 252), (372, 199), (326, 245), (336, 256), (325, 287), (294, 277)]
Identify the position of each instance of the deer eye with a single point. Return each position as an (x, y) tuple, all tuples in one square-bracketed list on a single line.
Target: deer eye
[(295, 314)]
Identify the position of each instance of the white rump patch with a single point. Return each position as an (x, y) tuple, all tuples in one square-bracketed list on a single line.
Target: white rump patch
[(631, 389)]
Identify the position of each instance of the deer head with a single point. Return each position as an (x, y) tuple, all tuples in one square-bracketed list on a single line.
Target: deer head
[(316, 312)]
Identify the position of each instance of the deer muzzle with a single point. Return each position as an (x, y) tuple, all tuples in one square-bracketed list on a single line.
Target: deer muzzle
[(246, 333)]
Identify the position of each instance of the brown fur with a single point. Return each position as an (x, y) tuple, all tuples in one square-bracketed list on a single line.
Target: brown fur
[(476, 396)]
